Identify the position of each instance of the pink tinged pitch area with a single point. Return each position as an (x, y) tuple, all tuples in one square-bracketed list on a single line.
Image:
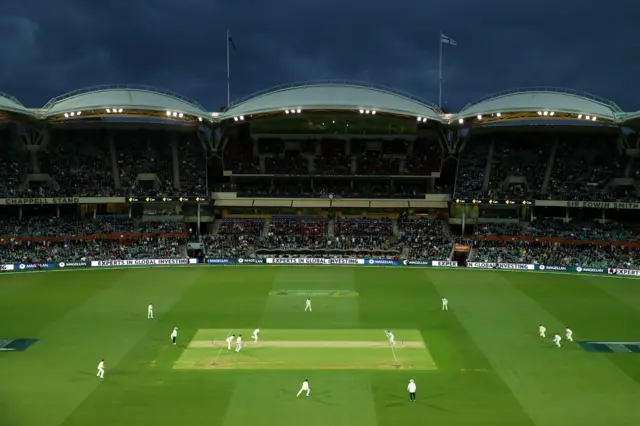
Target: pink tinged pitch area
[(307, 349)]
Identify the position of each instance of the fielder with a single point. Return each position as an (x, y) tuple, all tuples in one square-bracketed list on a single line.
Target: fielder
[(101, 370), (569, 334), (557, 339), (230, 340), (304, 388), (542, 330), (239, 343), (174, 335), (391, 337), (150, 311), (307, 305), (254, 336), (445, 304)]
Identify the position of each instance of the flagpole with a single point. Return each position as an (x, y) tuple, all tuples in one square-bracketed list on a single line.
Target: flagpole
[(227, 42), (440, 74)]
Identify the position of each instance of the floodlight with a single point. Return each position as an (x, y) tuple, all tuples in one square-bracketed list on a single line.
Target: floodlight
[(286, 111), (499, 115), (460, 121), (373, 112), (235, 118), (79, 112), (552, 113), (479, 117), (66, 115), (299, 111), (579, 116), (179, 115), (539, 112), (587, 117), (593, 119), (168, 113), (546, 113), (367, 112), (120, 110), (108, 111), (199, 118), (361, 111), (242, 117)]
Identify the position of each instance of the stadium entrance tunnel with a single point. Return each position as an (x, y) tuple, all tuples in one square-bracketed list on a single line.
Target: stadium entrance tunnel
[(461, 254)]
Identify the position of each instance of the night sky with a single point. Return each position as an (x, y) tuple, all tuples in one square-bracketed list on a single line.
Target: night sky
[(52, 47)]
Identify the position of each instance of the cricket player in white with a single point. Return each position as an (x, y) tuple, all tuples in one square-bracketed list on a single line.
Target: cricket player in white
[(542, 330), (569, 334), (304, 388), (445, 304), (557, 339), (391, 337), (239, 343), (230, 340), (254, 336), (307, 305), (101, 370), (174, 335), (150, 311)]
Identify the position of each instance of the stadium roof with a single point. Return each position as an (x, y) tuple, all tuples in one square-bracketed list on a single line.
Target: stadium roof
[(11, 104), (543, 99), (333, 95), (123, 96)]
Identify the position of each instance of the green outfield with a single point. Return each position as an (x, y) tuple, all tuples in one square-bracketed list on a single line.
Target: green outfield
[(482, 362)]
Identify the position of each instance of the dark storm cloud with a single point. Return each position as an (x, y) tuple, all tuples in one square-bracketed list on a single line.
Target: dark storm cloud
[(49, 48)]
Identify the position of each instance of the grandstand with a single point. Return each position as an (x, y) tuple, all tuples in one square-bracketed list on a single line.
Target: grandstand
[(329, 167)]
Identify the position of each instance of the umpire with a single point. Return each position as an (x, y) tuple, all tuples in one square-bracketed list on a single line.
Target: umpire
[(412, 390)]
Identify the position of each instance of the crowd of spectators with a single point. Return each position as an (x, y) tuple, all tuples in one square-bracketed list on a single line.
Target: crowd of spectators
[(534, 252), (295, 233), (425, 238), (521, 156), (583, 166), (472, 165), (14, 251), (359, 233), (77, 227), (557, 228)]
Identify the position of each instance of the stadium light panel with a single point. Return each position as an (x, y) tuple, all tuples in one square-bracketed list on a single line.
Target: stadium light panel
[(545, 113), (108, 111), (72, 114), (461, 121), (367, 112), (361, 111), (539, 112), (593, 119), (373, 112), (215, 114), (499, 115), (552, 113), (479, 117), (419, 118), (241, 117), (175, 114), (579, 116), (299, 111), (168, 113), (286, 111), (79, 112), (66, 115), (120, 110), (588, 118), (199, 118), (235, 118), (334, 121), (179, 115)]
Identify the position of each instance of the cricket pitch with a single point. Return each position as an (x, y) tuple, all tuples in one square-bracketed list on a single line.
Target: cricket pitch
[(307, 350)]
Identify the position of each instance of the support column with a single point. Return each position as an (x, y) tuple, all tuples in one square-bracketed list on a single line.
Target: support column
[(176, 162), (114, 161)]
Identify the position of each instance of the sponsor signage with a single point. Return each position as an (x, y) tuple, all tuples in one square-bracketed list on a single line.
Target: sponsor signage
[(60, 200), (448, 263), (219, 261), (143, 262), (73, 264), (416, 262), (6, 267), (387, 262), (250, 261), (632, 272), (29, 266), (235, 261), (492, 265), (315, 261), (607, 205)]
